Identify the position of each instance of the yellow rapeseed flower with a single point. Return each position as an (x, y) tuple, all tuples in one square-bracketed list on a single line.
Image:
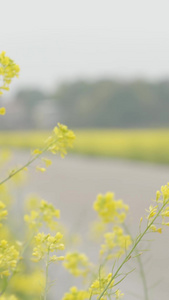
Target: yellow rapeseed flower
[(42, 212), (76, 294), (45, 244), (8, 70), (155, 229), (165, 192), (109, 209), (61, 140), (119, 295), (152, 211), (8, 258), (40, 169), (116, 243), (77, 263), (99, 285), (2, 111), (47, 161)]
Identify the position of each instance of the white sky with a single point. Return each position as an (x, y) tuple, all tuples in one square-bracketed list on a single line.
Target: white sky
[(57, 40)]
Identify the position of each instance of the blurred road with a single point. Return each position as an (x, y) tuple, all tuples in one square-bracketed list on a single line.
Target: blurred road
[(73, 184)]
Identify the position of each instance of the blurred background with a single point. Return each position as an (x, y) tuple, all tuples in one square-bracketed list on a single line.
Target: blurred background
[(92, 65), (101, 68), (89, 64)]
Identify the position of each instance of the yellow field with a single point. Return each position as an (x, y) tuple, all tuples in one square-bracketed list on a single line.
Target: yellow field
[(147, 145)]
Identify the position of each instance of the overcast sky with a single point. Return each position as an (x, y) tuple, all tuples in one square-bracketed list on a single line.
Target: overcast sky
[(61, 40)]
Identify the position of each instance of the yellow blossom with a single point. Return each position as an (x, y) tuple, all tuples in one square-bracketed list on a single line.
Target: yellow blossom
[(47, 161), (165, 212), (42, 212), (99, 285), (109, 209), (77, 263), (116, 243), (76, 294), (155, 229), (2, 111), (158, 195), (152, 211), (37, 151), (119, 295), (45, 244), (165, 192), (8, 258), (40, 169), (61, 139), (8, 70)]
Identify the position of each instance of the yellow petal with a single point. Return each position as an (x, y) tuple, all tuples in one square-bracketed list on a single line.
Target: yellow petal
[(2, 111)]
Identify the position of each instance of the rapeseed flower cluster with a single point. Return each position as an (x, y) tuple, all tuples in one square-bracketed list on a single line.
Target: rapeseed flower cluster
[(99, 285), (45, 244), (76, 294), (77, 264), (164, 192), (8, 70), (61, 140), (8, 258), (44, 212), (116, 243), (109, 209), (119, 295), (162, 199)]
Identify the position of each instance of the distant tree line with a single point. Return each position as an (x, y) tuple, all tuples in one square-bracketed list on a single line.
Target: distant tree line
[(97, 104)]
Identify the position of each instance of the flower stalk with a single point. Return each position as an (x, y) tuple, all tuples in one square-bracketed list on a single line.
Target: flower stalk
[(139, 238)]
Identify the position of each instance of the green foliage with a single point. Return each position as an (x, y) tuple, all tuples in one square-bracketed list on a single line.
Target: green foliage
[(117, 104), (93, 104)]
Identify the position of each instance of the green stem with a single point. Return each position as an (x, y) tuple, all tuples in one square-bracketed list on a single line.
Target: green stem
[(46, 276), (131, 251), (143, 277), (142, 273), (6, 179), (25, 166)]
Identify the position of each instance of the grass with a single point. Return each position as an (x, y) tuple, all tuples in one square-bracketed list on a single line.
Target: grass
[(145, 145)]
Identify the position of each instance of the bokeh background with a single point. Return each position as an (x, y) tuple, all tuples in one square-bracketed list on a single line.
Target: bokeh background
[(102, 68)]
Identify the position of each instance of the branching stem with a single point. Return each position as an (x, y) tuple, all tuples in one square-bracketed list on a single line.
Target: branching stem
[(133, 249), (142, 273), (25, 165), (46, 277)]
